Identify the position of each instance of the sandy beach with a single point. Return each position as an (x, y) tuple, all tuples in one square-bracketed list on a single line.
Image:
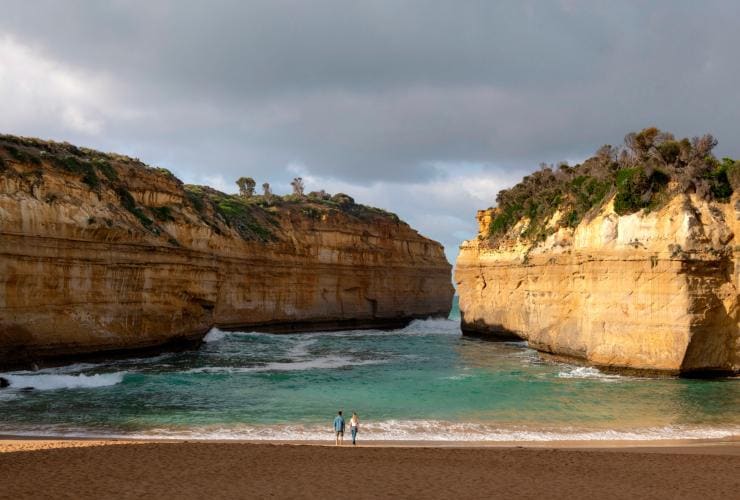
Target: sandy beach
[(137, 469)]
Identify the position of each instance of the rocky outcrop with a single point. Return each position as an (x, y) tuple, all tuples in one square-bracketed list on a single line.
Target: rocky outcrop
[(100, 253), (653, 291)]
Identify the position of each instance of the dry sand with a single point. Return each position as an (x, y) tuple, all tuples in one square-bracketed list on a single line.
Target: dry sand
[(125, 469)]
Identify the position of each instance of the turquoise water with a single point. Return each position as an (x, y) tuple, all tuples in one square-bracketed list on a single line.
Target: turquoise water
[(425, 382)]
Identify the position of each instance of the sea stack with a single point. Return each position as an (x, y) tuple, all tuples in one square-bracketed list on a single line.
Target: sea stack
[(101, 254), (627, 261)]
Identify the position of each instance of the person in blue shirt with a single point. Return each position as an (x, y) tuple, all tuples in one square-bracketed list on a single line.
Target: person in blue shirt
[(339, 429)]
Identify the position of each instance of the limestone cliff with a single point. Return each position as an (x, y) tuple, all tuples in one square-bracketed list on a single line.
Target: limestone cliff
[(100, 253), (654, 290)]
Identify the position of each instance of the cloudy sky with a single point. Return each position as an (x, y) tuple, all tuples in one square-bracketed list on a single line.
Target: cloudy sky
[(426, 108)]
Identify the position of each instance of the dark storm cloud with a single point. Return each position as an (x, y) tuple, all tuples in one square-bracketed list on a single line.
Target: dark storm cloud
[(379, 93), (266, 47)]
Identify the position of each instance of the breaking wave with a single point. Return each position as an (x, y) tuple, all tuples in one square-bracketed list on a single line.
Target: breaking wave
[(588, 372), (323, 363), (51, 382), (434, 430), (214, 335), (399, 431), (431, 326)]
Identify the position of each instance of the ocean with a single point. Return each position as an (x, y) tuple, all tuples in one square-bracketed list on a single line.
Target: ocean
[(425, 382)]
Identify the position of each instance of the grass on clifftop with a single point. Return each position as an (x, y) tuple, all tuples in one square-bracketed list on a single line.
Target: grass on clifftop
[(250, 220), (643, 174), (254, 218)]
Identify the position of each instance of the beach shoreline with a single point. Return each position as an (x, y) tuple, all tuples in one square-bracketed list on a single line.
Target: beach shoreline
[(729, 445)]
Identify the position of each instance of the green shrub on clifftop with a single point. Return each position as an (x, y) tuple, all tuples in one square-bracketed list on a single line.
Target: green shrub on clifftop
[(636, 190), (643, 174)]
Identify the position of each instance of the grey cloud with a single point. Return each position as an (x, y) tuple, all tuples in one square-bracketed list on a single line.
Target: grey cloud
[(274, 46), (381, 93)]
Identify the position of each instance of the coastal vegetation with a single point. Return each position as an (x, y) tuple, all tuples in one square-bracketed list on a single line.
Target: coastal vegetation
[(643, 174), (253, 216), (246, 186), (297, 186)]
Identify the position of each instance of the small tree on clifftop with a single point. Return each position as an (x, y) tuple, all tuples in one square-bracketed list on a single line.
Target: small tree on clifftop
[(297, 186), (246, 186)]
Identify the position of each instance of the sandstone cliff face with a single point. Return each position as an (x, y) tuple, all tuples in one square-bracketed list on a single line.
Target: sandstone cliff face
[(100, 253), (655, 291)]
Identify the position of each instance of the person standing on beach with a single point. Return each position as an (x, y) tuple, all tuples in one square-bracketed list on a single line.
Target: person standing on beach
[(354, 426), (339, 429)]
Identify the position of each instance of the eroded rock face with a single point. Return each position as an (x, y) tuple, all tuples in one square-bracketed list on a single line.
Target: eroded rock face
[(655, 292), (133, 259)]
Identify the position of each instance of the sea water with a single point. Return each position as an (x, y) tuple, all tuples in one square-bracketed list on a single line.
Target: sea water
[(422, 382)]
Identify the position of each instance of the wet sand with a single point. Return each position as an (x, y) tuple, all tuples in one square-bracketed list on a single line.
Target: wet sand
[(34, 468)]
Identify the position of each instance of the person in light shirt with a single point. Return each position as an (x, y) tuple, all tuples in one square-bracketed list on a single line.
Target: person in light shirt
[(354, 426)]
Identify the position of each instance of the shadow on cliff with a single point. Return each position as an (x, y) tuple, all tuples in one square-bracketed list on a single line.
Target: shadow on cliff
[(482, 330), (713, 339)]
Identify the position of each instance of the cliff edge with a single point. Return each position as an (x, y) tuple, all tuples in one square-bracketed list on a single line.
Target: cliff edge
[(628, 261), (100, 253)]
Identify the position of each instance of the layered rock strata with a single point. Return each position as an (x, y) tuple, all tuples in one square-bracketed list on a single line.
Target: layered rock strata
[(100, 254), (653, 292)]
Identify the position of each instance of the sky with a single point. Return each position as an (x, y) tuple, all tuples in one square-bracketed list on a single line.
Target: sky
[(424, 108)]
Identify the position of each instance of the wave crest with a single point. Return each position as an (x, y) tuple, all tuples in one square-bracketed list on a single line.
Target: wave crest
[(442, 431), (324, 363), (589, 372), (49, 382)]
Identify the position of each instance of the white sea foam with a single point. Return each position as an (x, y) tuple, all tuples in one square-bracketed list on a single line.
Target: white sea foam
[(393, 430), (214, 335), (50, 382), (434, 430), (424, 431), (322, 363), (301, 348), (588, 372)]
